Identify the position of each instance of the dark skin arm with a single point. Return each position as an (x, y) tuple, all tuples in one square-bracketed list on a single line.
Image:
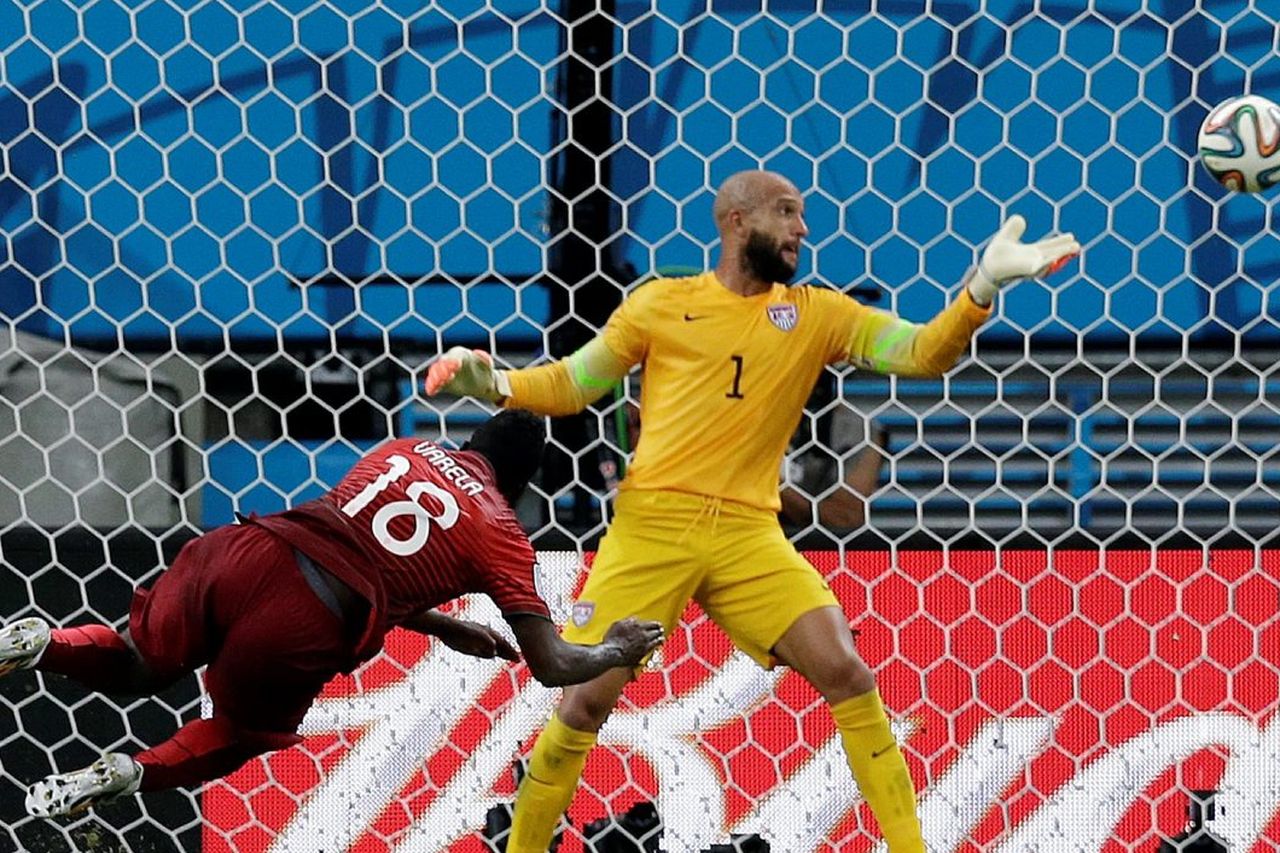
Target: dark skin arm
[(468, 638), (556, 663)]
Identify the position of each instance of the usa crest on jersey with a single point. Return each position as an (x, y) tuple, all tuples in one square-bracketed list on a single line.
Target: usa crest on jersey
[(783, 315), (582, 612)]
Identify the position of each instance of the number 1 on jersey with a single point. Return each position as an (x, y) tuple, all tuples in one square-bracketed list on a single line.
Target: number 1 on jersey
[(735, 393)]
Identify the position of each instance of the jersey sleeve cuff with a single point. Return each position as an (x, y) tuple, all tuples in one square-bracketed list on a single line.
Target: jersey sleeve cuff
[(977, 313)]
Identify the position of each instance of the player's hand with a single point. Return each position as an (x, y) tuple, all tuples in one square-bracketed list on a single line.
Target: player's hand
[(479, 641), (635, 639), (1007, 259), (465, 373)]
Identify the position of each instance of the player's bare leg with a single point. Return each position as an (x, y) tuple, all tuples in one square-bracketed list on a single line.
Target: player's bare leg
[(820, 647), (558, 756)]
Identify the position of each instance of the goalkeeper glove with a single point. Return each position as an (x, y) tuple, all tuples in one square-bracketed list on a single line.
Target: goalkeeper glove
[(467, 373), (1007, 258)]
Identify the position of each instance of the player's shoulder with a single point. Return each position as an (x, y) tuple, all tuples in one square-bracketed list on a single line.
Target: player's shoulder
[(414, 450), (380, 454), (664, 287), (497, 529), (815, 294), (815, 305), (828, 303), (479, 466)]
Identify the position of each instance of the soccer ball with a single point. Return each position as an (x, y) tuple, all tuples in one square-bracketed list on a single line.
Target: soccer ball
[(1240, 143)]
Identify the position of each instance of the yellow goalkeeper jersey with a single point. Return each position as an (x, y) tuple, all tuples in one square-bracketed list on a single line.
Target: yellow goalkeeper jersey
[(726, 376)]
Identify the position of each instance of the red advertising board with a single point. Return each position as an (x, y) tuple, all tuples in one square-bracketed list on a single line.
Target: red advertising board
[(1048, 701)]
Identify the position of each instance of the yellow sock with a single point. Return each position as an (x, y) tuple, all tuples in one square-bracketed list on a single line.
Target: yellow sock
[(880, 770), (555, 766)]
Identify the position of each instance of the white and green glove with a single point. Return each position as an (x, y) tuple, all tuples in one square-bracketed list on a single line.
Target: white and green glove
[(1007, 259), (467, 373)]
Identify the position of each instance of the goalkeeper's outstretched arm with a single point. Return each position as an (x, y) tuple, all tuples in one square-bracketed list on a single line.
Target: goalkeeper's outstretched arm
[(880, 341), (562, 387)]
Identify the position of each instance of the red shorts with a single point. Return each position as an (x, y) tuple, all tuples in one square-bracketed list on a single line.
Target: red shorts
[(234, 599)]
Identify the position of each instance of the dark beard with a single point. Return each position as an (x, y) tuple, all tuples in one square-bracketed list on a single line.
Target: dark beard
[(762, 260)]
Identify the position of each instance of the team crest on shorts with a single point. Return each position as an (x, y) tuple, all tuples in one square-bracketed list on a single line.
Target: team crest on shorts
[(582, 612), (784, 316)]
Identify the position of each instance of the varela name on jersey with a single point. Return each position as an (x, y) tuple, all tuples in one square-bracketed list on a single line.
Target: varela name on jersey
[(440, 458)]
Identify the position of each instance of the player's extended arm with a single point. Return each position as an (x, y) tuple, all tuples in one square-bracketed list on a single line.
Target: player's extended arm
[(563, 387), (556, 663), (468, 638), (888, 344)]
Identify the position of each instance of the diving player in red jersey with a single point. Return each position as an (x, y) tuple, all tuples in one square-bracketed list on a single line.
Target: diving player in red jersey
[(278, 605)]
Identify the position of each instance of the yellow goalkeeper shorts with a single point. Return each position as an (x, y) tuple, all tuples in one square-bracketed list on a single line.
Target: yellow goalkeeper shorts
[(664, 548)]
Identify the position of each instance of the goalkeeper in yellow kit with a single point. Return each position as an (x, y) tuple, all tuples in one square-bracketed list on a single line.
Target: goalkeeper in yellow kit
[(730, 357)]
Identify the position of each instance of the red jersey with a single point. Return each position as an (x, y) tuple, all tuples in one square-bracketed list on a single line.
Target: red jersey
[(411, 526)]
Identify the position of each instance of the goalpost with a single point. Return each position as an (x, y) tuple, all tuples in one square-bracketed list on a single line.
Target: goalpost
[(233, 232)]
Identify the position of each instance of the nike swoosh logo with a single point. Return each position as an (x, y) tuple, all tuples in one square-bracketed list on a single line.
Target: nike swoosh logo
[(691, 317), (879, 752)]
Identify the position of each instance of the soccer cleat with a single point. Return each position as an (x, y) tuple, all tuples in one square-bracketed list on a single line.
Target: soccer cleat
[(113, 775), (22, 643)]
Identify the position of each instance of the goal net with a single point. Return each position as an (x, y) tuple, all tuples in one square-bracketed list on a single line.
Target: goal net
[(234, 232)]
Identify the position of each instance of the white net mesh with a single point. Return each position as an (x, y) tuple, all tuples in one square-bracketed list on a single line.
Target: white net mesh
[(232, 232)]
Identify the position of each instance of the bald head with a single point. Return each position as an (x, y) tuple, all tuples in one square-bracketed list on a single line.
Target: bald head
[(746, 192), (760, 217)]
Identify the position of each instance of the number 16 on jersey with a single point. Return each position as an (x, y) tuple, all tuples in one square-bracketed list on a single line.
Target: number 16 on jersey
[(397, 467)]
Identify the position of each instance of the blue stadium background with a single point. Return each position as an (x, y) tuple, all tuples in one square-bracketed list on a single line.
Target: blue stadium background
[(253, 186), (227, 176)]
